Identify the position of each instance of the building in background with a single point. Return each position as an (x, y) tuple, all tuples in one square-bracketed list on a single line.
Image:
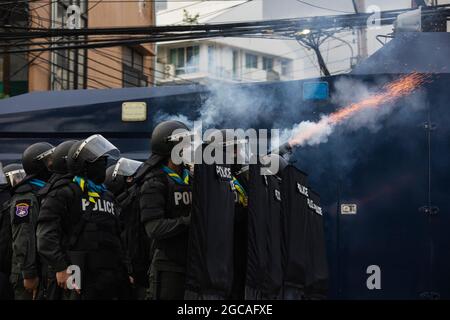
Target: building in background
[(208, 60), (256, 59), (13, 74), (221, 59), (113, 67)]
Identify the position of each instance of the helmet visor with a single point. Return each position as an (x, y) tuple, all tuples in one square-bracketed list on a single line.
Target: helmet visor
[(94, 147), (3, 180), (180, 135), (126, 167), (239, 150), (14, 177), (46, 157)]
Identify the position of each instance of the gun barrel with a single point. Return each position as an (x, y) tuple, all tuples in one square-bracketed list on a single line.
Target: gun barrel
[(282, 149)]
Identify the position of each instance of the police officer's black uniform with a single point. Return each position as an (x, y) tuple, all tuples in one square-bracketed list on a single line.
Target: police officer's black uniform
[(316, 283), (210, 253), (5, 239), (60, 176), (24, 211), (295, 193), (78, 224), (165, 204), (14, 173), (264, 265), (120, 180)]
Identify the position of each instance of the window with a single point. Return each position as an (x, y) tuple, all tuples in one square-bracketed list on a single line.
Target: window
[(133, 69), (284, 67), (133, 58), (251, 61), (68, 67), (211, 59), (235, 64), (185, 60), (267, 64)]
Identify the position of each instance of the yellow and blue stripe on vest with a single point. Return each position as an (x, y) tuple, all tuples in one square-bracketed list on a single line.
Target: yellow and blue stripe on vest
[(176, 177), (243, 198), (94, 190)]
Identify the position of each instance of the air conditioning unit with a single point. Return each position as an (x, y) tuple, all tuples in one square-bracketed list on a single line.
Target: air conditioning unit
[(409, 21), (421, 20), (169, 71), (272, 75)]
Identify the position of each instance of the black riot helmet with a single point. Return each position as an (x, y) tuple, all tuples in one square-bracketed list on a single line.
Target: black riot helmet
[(88, 151), (166, 135), (14, 173), (228, 141), (118, 174), (59, 157), (36, 158)]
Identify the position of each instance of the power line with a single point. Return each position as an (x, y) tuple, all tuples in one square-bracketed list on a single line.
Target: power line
[(68, 70), (120, 1), (94, 69), (89, 68), (183, 7), (289, 52), (218, 11), (134, 41), (110, 55), (323, 8)]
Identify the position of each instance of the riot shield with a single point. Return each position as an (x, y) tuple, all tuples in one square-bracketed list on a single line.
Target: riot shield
[(317, 266), (264, 265), (294, 204), (209, 273)]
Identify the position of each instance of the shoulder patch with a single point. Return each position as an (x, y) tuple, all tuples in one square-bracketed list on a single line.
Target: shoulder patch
[(22, 211)]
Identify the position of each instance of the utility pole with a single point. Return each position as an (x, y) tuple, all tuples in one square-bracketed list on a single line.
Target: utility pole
[(360, 7)]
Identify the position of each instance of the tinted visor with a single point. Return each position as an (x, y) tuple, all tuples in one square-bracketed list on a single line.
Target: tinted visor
[(14, 177), (46, 157), (94, 147), (126, 167)]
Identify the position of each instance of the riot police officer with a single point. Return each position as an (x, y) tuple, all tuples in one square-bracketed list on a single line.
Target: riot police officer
[(5, 263), (165, 204), (60, 176), (10, 176), (120, 176), (24, 211), (120, 180), (78, 228), (58, 165), (235, 149), (4, 194)]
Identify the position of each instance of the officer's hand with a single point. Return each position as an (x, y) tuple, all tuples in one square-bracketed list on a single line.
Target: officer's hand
[(131, 279), (31, 285), (61, 278)]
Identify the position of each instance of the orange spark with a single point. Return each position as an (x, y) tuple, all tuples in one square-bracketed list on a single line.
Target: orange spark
[(389, 93), (313, 132)]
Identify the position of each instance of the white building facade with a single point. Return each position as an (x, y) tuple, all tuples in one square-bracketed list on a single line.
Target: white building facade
[(203, 61)]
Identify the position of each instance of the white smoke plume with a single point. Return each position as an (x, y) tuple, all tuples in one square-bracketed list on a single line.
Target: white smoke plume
[(368, 108)]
